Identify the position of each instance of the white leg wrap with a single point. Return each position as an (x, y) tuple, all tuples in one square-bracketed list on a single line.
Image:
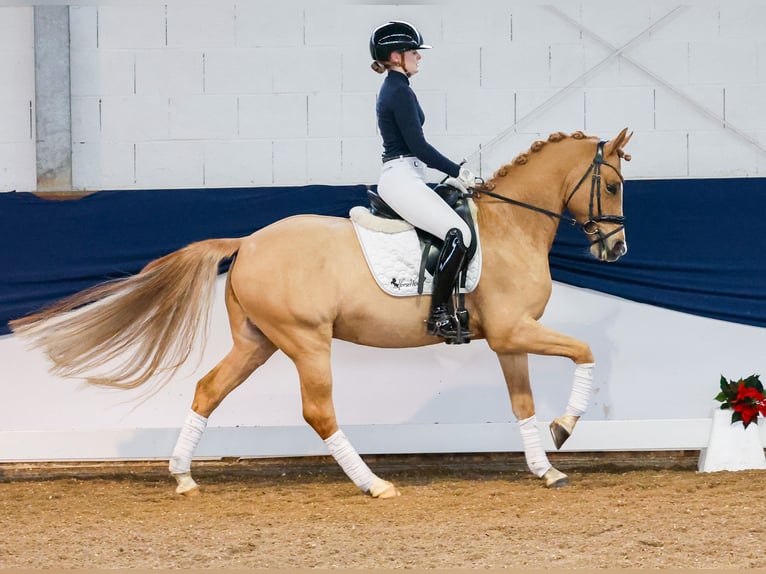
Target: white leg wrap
[(350, 461), (580, 395), (188, 439), (537, 460)]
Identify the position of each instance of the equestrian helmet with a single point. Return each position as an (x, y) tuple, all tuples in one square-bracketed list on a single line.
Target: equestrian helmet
[(392, 37)]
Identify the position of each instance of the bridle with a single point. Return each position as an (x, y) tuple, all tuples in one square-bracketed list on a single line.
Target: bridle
[(595, 215)]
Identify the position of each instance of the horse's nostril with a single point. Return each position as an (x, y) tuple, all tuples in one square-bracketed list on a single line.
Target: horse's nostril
[(620, 248)]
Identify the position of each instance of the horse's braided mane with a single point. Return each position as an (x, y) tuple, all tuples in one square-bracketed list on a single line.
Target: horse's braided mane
[(523, 157)]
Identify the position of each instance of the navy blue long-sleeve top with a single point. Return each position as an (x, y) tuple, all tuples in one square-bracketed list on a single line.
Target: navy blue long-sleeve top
[(400, 120)]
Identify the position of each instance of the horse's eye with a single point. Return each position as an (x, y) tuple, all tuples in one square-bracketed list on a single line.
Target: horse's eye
[(612, 188)]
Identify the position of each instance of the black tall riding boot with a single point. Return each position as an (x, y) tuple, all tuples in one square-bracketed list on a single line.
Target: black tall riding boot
[(440, 322)]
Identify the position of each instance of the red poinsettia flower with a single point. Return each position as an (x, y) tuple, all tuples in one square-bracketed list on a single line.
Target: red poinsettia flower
[(744, 397), (744, 393)]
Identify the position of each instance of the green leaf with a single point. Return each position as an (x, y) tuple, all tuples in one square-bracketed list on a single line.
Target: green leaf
[(736, 417), (724, 383)]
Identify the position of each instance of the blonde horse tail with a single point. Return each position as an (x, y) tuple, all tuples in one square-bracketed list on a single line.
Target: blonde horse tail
[(136, 327)]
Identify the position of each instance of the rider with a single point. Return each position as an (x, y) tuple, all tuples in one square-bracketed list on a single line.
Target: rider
[(406, 153)]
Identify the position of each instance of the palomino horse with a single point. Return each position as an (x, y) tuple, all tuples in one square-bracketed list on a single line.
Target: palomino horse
[(302, 281)]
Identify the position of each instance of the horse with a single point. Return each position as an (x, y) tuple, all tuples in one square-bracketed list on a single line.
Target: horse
[(296, 284)]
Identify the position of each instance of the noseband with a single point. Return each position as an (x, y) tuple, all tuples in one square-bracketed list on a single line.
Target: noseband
[(595, 216)]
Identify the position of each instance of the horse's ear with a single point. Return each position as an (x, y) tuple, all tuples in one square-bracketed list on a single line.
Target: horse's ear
[(619, 142)]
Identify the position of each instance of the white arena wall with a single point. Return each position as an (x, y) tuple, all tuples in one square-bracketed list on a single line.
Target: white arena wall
[(225, 93)]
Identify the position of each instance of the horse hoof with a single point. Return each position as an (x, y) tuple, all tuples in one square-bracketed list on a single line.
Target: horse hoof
[(191, 493), (561, 429), (186, 485), (555, 478), (383, 489)]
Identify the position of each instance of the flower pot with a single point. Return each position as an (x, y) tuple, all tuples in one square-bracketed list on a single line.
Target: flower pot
[(732, 446)]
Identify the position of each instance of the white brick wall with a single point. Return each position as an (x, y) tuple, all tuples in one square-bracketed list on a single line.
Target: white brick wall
[(236, 92), (17, 96)]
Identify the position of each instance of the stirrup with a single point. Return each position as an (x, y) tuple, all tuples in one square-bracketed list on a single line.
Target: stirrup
[(442, 324)]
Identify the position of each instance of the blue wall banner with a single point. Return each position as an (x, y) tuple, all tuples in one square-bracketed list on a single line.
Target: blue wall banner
[(695, 245)]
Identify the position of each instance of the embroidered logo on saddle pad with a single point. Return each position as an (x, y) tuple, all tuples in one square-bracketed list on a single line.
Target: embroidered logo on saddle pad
[(393, 253)]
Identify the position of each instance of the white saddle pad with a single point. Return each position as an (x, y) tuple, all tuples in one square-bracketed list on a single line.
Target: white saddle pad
[(392, 251)]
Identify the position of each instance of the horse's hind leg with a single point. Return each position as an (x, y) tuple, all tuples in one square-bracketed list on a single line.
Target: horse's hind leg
[(516, 371), (312, 360), (250, 350)]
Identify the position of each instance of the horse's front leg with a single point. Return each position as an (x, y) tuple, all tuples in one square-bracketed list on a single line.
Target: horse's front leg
[(515, 368), (530, 336)]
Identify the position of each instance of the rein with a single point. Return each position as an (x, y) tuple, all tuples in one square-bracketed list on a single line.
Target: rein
[(589, 227)]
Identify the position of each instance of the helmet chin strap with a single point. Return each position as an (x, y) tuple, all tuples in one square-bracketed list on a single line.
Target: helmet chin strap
[(403, 65)]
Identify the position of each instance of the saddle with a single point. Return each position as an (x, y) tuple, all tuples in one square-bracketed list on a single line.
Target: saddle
[(430, 245)]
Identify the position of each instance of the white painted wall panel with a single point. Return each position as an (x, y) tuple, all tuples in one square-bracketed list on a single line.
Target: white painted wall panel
[(290, 162), (608, 110), (699, 21), (356, 74), (83, 28), (244, 71), (567, 63), (668, 60), (315, 70), (324, 161), (102, 73), (203, 117), (273, 116), (238, 163), (550, 111), (742, 19), (261, 24), (16, 29), (460, 388), (516, 66), (201, 25), (663, 154), (103, 165), (17, 166), (531, 24), (18, 169), (132, 26), (447, 68), (323, 110), (17, 68), (133, 118), (722, 62), (733, 157), (675, 112), (15, 124), (86, 119), (361, 159), (490, 25), (746, 107), (617, 22), (169, 164), (512, 49), (356, 121), (169, 73)]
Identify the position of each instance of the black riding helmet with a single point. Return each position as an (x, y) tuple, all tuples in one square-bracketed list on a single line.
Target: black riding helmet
[(394, 37)]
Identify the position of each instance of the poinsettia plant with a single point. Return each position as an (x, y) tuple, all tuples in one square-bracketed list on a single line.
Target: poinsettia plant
[(744, 397)]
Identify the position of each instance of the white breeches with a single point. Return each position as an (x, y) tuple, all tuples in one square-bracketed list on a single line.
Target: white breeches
[(402, 186)]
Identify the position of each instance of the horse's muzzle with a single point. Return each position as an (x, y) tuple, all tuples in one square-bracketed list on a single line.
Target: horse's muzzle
[(609, 251)]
